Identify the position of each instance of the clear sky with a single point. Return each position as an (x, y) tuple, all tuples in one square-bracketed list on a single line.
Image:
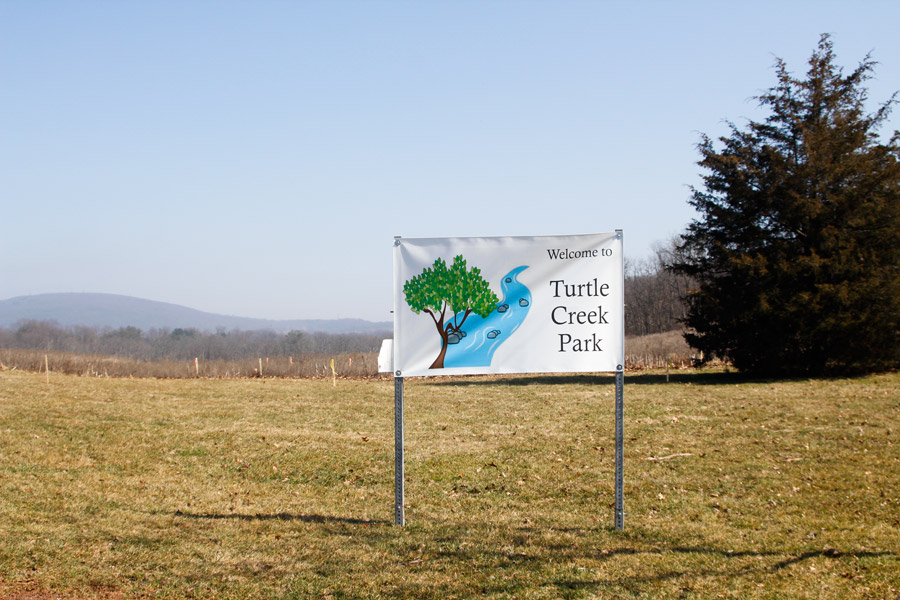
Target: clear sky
[(257, 158)]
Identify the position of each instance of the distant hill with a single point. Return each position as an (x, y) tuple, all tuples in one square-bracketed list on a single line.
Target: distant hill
[(111, 310)]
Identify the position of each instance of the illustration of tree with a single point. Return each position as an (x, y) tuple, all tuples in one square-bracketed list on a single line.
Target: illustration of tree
[(449, 296)]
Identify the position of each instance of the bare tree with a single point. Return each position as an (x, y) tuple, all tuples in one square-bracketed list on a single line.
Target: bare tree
[(654, 296)]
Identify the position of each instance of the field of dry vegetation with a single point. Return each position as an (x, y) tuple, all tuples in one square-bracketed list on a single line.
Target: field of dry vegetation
[(283, 488), (643, 352), (307, 365)]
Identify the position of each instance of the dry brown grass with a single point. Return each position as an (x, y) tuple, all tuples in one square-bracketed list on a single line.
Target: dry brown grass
[(282, 488), (655, 350)]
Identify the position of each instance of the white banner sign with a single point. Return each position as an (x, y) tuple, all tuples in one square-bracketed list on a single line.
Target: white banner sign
[(548, 304)]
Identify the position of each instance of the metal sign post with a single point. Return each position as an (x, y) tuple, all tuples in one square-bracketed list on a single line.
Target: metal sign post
[(399, 518), (620, 448), (513, 304)]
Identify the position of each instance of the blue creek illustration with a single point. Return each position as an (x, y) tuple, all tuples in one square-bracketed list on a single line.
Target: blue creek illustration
[(479, 338)]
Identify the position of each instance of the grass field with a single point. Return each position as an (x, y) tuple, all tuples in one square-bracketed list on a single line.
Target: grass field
[(265, 488)]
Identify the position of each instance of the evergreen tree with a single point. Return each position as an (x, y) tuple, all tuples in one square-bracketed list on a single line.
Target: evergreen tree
[(796, 250)]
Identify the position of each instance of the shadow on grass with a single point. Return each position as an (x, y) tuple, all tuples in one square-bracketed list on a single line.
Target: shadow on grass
[(278, 517), (464, 544), (722, 564), (690, 377), (635, 378), (830, 553), (710, 572)]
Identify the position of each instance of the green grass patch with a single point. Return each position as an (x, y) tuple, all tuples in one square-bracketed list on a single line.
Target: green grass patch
[(284, 488)]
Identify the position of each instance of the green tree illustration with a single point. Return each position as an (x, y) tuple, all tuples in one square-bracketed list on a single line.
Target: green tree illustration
[(449, 296)]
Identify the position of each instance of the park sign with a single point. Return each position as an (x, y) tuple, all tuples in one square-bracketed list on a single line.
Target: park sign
[(543, 304), (548, 304)]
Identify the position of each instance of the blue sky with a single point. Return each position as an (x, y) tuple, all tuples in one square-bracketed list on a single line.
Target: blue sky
[(257, 158)]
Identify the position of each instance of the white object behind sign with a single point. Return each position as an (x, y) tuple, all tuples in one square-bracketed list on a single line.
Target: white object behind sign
[(386, 357)]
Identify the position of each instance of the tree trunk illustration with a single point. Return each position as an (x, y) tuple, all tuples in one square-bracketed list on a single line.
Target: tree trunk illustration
[(439, 361)]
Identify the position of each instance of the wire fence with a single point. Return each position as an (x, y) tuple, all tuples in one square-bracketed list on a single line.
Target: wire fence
[(345, 365)]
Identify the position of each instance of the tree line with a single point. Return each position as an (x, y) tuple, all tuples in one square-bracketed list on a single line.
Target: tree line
[(183, 344), (654, 294)]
